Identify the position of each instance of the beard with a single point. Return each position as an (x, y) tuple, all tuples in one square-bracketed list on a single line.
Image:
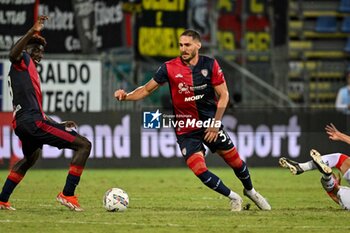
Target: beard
[(189, 56)]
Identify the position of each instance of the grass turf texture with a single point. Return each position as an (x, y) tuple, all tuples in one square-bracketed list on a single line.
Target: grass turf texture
[(172, 200)]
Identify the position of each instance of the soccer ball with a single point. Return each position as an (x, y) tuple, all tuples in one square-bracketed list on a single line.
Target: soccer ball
[(116, 199)]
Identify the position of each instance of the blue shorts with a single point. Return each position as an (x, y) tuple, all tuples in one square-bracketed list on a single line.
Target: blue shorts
[(193, 142), (34, 134)]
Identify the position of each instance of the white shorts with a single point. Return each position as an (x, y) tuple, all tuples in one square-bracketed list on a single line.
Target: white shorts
[(346, 176), (344, 197)]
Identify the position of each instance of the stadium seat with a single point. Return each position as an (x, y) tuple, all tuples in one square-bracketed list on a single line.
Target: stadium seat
[(344, 6), (326, 24), (345, 27), (347, 46)]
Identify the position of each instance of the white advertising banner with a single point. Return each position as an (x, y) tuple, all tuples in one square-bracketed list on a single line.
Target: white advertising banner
[(67, 85), (119, 139)]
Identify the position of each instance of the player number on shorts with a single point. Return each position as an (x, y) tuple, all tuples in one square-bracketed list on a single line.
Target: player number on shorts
[(222, 135)]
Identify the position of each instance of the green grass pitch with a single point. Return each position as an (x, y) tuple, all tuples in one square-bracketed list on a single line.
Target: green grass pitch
[(172, 200)]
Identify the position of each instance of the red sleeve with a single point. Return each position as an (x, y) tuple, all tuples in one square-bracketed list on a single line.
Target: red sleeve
[(217, 75), (22, 65)]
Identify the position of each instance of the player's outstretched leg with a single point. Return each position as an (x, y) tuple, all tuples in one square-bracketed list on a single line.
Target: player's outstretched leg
[(322, 167), (293, 166), (196, 163), (67, 198), (241, 170)]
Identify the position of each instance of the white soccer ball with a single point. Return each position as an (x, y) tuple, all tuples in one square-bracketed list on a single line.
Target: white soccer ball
[(115, 199)]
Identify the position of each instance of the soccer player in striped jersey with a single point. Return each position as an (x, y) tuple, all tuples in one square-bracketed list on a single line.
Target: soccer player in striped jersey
[(325, 163), (199, 94), (33, 127)]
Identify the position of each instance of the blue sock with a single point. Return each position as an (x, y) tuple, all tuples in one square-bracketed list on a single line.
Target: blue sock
[(242, 173), (7, 190), (71, 183), (214, 182)]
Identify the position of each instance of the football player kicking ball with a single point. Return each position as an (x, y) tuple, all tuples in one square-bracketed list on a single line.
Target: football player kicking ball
[(199, 94), (325, 163), (33, 127)]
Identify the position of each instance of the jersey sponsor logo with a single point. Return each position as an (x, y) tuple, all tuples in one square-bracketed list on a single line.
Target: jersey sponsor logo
[(179, 76), (183, 88), (193, 98), (197, 88), (204, 72)]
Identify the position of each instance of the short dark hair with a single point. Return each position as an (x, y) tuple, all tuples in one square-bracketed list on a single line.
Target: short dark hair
[(193, 33), (37, 39)]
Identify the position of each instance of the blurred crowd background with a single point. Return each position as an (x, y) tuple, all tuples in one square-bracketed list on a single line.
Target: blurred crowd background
[(279, 53)]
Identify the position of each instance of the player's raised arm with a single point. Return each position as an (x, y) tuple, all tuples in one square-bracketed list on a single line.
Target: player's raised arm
[(16, 50), (137, 94)]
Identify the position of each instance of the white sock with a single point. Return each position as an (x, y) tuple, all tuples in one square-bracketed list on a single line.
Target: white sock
[(330, 159), (251, 192), (308, 166), (234, 196)]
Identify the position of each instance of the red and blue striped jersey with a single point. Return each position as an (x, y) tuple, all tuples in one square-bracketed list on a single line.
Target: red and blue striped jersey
[(192, 89), (24, 84)]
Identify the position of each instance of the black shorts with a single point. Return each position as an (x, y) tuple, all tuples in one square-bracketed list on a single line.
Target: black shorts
[(34, 134), (193, 142)]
